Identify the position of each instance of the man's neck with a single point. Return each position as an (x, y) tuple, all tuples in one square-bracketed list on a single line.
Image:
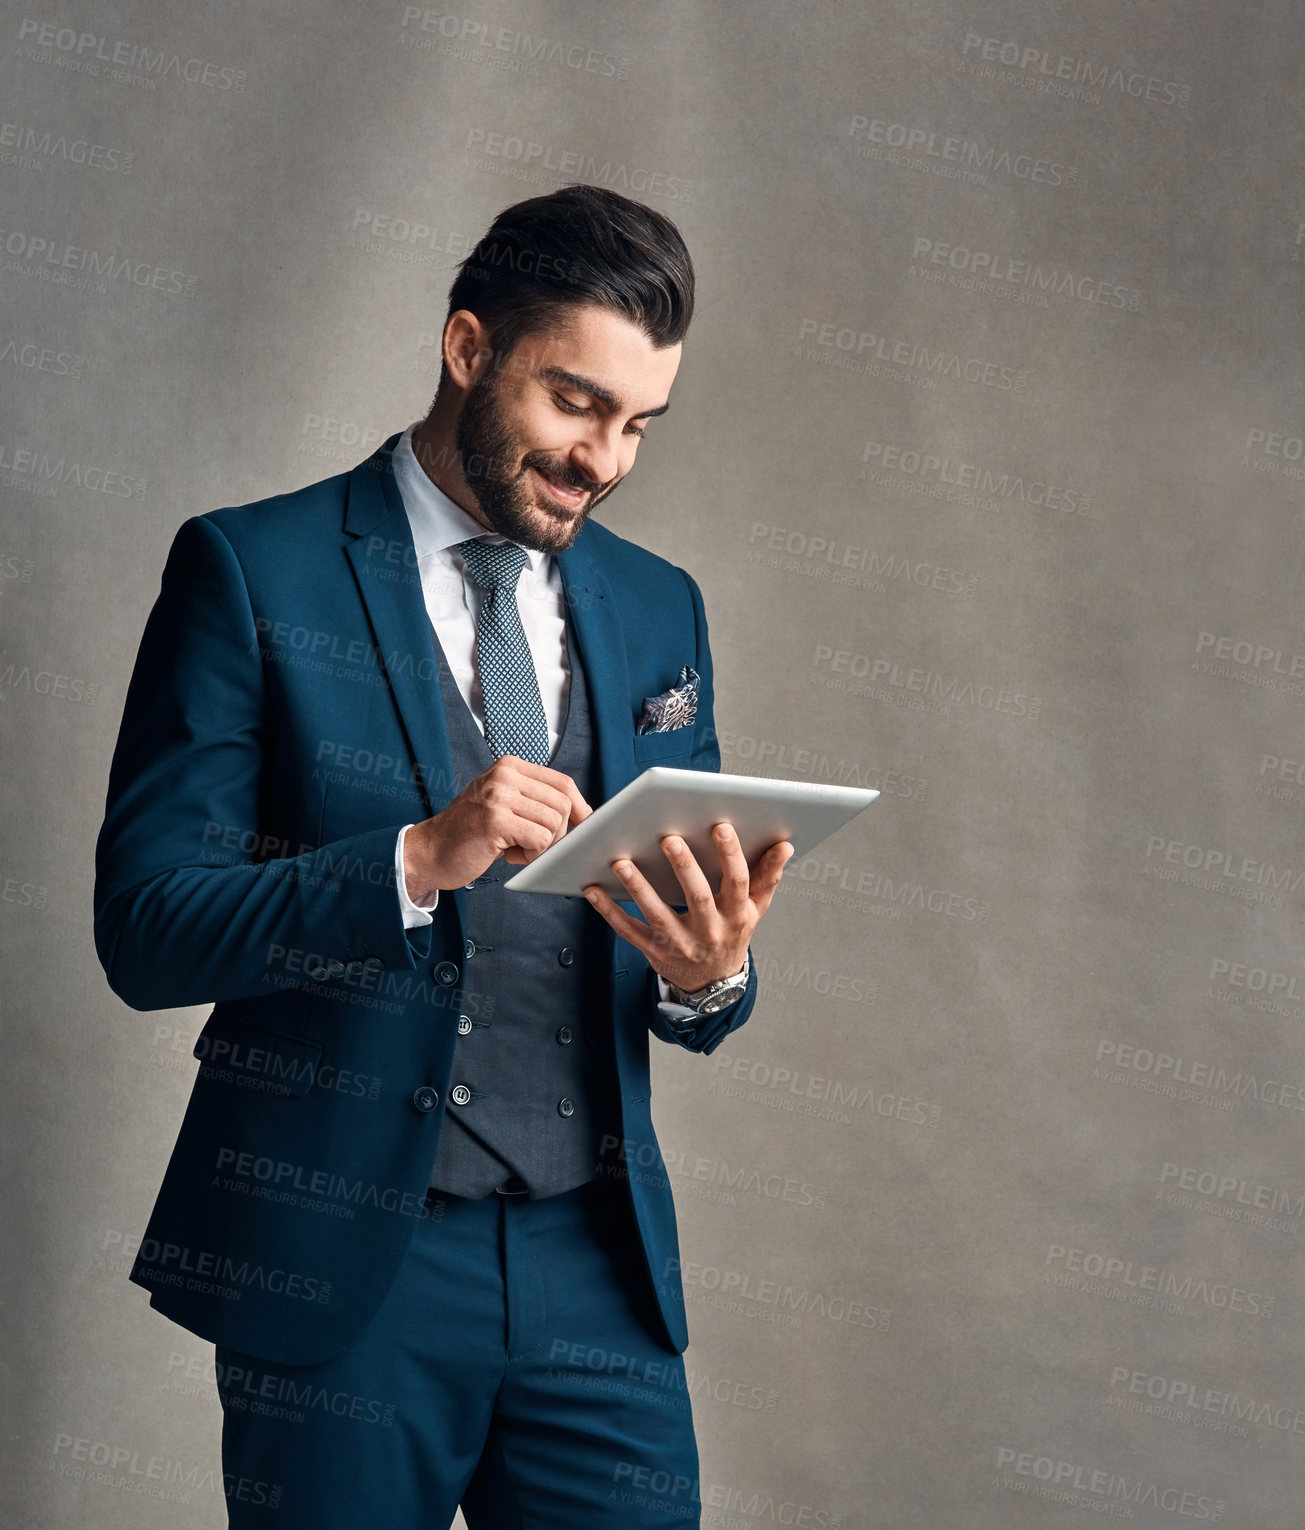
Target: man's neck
[(434, 444)]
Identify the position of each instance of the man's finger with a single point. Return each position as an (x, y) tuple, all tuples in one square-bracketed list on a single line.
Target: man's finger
[(697, 890), (766, 878), (560, 782), (734, 887), (641, 892), (625, 925)]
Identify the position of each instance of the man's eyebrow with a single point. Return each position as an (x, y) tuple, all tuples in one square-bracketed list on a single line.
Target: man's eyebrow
[(605, 397)]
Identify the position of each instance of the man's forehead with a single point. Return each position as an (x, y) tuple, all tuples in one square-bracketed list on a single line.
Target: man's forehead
[(605, 353)]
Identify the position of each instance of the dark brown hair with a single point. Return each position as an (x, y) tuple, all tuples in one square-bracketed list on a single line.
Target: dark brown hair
[(580, 244)]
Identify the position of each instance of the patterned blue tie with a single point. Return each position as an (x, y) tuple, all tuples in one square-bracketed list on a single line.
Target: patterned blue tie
[(514, 713)]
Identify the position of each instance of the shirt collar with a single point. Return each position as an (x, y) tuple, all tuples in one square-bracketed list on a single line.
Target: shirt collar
[(437, 523)]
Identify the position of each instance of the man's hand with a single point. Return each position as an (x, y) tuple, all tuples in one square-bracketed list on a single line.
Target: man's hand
[(710, 939), (515, 809)]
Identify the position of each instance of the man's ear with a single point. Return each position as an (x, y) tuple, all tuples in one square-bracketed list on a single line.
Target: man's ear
[(467, 351)]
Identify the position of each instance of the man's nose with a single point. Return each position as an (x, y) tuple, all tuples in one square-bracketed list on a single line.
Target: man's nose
[(597, 456)]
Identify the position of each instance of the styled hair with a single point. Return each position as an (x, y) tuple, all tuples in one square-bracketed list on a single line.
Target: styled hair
[(580, 244)]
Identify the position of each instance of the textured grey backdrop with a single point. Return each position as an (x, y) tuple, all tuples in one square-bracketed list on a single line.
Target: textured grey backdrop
[(987, 452)]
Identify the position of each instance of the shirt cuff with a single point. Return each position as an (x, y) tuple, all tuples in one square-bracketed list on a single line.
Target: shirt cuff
[(414, 914), (684, 1014)]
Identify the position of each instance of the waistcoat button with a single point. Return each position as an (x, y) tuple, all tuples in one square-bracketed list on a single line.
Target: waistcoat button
[(564, 1106), (460, 1094), (564, 1035)]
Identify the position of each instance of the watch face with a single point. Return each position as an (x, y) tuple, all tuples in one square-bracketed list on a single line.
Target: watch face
[(717, 1000)]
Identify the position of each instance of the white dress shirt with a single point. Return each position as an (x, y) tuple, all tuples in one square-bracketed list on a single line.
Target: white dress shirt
[(453, 605)]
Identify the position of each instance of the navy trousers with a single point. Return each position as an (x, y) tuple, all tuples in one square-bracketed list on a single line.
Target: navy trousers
[(517, 1368)]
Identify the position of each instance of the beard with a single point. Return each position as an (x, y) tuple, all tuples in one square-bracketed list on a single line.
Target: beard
[(497, 471)]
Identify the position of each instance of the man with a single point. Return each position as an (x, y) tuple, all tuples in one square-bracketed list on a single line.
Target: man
[(417, 1201)]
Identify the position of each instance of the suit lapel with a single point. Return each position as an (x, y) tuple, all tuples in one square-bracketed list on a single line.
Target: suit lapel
[(384, 562), (596, 625)]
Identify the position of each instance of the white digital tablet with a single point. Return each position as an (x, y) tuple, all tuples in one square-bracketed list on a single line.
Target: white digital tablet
[(663, 800)]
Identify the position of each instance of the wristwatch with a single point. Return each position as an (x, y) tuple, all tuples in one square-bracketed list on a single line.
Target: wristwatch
[(715, 995)]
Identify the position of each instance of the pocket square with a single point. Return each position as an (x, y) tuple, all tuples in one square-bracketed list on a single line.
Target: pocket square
[(674, 708)]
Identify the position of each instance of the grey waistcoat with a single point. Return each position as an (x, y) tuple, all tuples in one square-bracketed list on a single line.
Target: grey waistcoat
[(534, 1036)]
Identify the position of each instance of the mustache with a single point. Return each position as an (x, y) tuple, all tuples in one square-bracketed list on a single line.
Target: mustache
[(566, 474)]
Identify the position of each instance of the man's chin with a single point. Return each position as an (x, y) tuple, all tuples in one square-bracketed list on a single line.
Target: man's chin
[(546, 528), (554, 533)]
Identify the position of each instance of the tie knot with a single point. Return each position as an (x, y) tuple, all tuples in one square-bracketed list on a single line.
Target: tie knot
[(493, 565)]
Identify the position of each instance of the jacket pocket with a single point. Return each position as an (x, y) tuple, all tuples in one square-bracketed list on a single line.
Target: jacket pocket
[(232, 1051), (661, 748)]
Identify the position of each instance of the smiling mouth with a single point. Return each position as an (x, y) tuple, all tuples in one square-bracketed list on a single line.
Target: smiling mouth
[(564, 493)]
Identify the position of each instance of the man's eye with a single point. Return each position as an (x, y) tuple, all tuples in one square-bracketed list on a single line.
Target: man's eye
[(636, 430), (569, 407)]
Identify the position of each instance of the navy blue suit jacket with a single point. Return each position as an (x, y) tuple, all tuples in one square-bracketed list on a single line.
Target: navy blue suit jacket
[(283, 721)]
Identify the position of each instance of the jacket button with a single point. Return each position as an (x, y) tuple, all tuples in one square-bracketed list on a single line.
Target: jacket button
[(460, 1094), (565, 956), (564, 1035), (464, 1025), (446, 974), (564, 1107), (425, 1099)]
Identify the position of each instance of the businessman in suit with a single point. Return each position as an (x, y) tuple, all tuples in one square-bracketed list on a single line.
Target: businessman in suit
[(417, 1201)]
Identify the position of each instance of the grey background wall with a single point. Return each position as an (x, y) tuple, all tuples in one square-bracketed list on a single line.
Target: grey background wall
[(987, 451)]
